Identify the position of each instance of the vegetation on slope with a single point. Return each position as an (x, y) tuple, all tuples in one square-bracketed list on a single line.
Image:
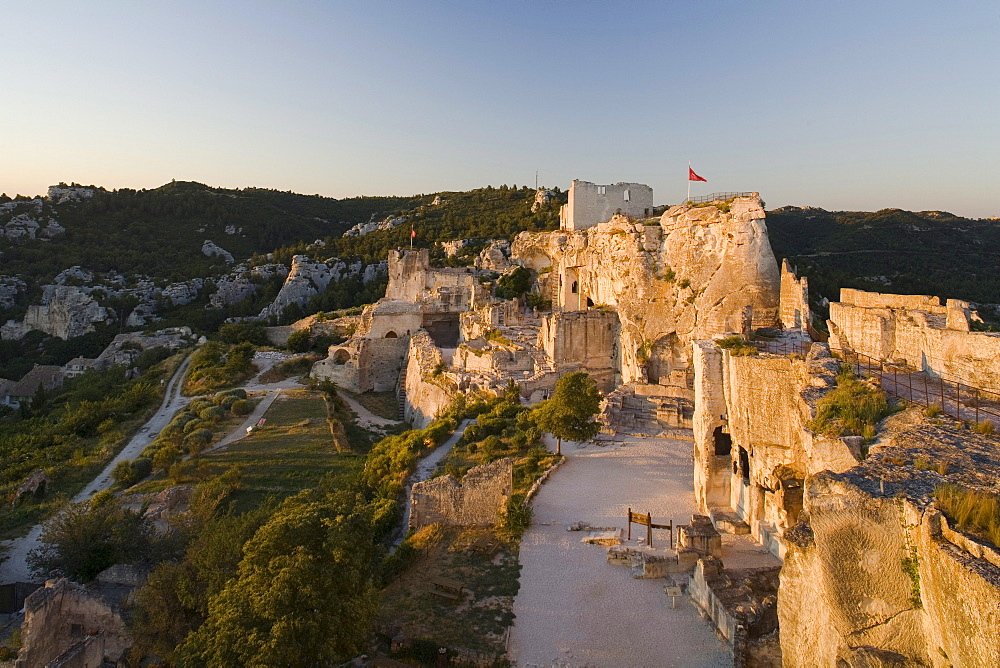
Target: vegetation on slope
[(926, 252)]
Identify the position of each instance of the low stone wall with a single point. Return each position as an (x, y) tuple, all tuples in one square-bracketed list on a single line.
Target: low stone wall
[(477, 500)]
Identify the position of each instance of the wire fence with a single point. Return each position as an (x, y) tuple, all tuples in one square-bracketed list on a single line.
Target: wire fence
[(954, 397)]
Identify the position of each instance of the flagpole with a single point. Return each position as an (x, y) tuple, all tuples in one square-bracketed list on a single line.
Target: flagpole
[(689, 183)]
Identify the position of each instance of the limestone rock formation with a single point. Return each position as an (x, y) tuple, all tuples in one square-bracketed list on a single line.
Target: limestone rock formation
[(68, 311), (542, 197), (873, 568), (495, 257), (242, 283), (10, 288), (692, 276), (69, 193), (210, 248), (362, 229)]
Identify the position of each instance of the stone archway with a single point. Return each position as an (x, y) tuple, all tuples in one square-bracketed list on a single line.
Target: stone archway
[(391, 335), (341, 357)]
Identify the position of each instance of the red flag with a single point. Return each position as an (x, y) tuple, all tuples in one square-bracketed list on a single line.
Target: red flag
[(694, 177), (413, 233)]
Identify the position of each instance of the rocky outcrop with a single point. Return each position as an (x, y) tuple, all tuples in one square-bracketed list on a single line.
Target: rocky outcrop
[(362, 229), (428, 389), (495, 257), (66, 311), (63, 193), (542, 197), (308, 278), (240, 284), (874, 569), (210, 249), (10, 288), (700, 272)]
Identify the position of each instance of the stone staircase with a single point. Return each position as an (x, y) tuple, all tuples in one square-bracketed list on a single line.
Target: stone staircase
[(626, 412), (401, 404)]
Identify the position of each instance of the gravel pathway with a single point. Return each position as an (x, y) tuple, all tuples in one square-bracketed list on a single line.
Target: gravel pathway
[(575, 609), (15, 568)]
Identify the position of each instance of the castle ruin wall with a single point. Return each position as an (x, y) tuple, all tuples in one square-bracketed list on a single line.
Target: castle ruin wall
[(478, 499), (589, 203), (918, 331)]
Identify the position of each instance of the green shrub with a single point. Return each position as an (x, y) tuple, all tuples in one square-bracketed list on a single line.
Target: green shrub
[(212, 413), (197, 440), (737, 346), (853, 408), (298, 341), (242, 407), (933, 410), (191, 425)]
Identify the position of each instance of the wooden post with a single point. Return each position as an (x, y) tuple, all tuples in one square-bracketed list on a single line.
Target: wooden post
[(629, 524), (649, 532)]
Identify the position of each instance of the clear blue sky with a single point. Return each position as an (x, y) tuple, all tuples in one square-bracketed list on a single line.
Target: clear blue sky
[(843, 105)]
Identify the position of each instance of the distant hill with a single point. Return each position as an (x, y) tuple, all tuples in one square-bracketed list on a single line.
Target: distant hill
[(160, 232), (923, 252)]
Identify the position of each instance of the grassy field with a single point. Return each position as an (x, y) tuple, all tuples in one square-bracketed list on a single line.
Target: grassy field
[(291, 452), (479, 622)]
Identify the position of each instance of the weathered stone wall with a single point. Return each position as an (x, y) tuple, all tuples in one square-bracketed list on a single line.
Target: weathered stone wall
[(411, 278), (590, 204), (478, 499), (64, 614), (584, 340), (753, 448), (363, 364), (794, 301), (917, 330), (428, 391)]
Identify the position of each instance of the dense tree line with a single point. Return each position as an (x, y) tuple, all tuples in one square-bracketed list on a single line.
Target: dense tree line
[(891, 250)]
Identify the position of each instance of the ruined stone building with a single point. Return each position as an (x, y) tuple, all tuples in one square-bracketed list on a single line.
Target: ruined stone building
[(869, 565), (590, 204), (628, 296)]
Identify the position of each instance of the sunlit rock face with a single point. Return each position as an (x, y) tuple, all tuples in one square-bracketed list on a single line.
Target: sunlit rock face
[(699, 272)]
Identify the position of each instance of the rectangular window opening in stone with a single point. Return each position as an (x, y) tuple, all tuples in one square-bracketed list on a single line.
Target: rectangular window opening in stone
[(625, 195)]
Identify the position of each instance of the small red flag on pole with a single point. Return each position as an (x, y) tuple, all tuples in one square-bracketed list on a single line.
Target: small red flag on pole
[(413, 234), (693, 177)]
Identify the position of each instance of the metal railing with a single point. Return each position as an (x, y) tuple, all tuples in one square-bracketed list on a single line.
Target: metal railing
[(955, 398), (720, 197), (780, 347)]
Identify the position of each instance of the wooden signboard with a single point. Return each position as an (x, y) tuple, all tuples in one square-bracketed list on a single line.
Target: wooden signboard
[(646, 520)]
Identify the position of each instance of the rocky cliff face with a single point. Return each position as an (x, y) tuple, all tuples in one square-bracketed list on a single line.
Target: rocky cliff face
[(874, 574), (308, 278), (28, 219), (68, 311), (690, 277)]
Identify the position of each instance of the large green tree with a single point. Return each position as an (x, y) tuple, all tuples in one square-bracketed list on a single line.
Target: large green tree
[(570, 412), (303, 594), (91, 536)]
